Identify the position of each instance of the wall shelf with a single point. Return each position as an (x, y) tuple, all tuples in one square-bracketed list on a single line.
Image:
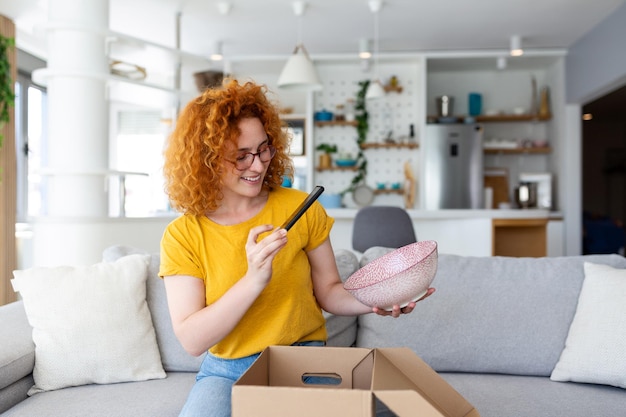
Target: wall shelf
[(389, 191), (336, 168), (500, 118), (391, 88), (352, 123), (518, 151), (411, 145), (513, 118)]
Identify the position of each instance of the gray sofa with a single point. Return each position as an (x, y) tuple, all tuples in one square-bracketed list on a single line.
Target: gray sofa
[(494, 330)]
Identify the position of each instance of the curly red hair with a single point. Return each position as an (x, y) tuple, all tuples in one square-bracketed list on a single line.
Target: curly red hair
[(205, 132)]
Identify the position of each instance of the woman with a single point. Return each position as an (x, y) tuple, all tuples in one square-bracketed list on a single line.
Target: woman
[(235, 282)]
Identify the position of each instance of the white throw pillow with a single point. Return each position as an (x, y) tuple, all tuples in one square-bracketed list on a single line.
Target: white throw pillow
[(91, 324), (595, 349)]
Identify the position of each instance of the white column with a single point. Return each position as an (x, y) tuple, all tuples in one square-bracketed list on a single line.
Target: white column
[(78, 111), (75, 164)]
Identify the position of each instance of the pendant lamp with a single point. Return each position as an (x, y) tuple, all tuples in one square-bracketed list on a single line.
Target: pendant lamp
[(375, 90), (516, 46), (299, 72), (217, 54)]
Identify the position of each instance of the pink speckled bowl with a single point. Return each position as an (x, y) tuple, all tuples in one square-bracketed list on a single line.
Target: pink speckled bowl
[(398, 277)]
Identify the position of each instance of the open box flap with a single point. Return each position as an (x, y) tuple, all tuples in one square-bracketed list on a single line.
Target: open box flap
[(257, 374), (397, 369), (407, 403), (257, 401), (287, 365)]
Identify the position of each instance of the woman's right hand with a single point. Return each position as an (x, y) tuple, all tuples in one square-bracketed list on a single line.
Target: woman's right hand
[(261, 253)]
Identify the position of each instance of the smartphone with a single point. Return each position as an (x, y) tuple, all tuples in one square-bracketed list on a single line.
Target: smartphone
[(317, 191)]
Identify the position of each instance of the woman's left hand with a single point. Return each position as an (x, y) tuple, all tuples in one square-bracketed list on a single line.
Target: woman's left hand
[(396, 311)]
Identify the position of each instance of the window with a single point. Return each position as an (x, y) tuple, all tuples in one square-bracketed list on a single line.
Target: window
[(137, 154), (30, 118)]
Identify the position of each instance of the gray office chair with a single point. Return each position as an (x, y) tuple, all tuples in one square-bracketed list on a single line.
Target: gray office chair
[(387, 226)]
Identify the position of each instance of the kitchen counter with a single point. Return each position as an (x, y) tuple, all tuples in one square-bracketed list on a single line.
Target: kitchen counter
[(456, 231), (463, 232), (459, 214)]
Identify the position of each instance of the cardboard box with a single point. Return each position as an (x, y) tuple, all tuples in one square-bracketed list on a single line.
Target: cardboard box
[(274, 386)]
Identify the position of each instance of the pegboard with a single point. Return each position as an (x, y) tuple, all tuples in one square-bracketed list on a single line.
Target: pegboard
[(390, 117)]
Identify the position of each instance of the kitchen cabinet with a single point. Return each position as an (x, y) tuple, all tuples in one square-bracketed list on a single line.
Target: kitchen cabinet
[(520, 237)]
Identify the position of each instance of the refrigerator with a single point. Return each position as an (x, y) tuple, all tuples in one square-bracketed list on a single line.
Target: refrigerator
[(452, 167)]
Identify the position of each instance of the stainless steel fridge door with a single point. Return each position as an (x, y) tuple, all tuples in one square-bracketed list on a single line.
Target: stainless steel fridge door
[(453, 167)]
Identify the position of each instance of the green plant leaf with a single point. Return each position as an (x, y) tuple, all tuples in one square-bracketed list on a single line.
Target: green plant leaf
[(362, 127), (7, 96)]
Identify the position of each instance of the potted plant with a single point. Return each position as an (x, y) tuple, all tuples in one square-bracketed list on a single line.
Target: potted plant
[(362, 127), (325, 159), (7, 97)]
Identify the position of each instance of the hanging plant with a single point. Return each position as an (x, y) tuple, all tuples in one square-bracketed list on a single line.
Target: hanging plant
[(7, 97), (362, 128)]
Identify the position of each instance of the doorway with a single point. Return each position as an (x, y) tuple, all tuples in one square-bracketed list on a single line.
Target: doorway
[(604, 173)]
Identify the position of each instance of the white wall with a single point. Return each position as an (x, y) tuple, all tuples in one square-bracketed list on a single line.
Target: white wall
[(596, 64), (75, 241)]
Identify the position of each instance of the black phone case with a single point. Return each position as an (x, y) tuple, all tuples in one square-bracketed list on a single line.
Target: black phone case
[(317, 191)]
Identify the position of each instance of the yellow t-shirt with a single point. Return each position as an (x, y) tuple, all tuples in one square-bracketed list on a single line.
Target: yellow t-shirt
[(286, 311)]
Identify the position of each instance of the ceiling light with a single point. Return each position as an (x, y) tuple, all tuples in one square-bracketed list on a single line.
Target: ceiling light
[(501, 62), (364, 49), (224, 7), (299, 72), (375, 89), (217, 54), (516, 46)]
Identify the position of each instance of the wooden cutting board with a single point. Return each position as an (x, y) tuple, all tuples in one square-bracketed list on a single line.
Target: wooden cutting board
[(498, 180)]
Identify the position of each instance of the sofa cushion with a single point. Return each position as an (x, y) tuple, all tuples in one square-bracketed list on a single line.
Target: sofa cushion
[(595, 349), (173, 356), (158, 397), (15, 393), (341, 329), (489, 314), (91, 324), (532, 396), (17, 350)]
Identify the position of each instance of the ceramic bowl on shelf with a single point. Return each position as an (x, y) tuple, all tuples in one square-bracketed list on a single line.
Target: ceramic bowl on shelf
[(345, 162), (399, 277)]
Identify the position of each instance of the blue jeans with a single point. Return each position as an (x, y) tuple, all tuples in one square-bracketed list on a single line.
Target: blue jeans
[(210, 395)]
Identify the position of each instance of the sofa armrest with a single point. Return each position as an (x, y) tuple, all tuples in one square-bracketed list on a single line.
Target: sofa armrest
[(17, 350)]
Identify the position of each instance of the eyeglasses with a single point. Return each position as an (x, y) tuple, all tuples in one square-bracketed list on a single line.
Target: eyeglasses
[(245, 160)]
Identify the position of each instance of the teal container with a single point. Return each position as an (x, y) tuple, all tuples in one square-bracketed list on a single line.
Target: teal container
[(330, 200), (475, 104)]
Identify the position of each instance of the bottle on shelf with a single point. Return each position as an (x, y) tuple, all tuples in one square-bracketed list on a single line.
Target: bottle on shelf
[(349, 107)]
